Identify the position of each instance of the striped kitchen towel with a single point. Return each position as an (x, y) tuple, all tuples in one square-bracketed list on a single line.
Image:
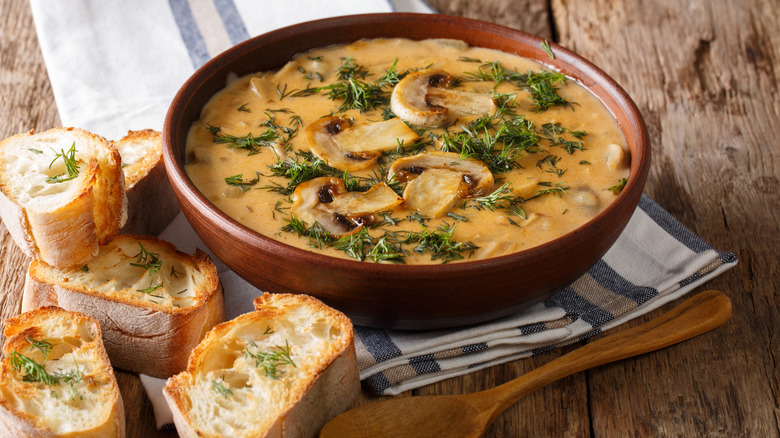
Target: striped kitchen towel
[(655, 260), (115, 66)]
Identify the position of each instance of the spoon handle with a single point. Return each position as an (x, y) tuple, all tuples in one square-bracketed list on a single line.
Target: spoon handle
[(695, 316)]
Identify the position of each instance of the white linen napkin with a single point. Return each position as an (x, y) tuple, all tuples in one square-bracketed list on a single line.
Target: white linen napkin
[(115, 66)]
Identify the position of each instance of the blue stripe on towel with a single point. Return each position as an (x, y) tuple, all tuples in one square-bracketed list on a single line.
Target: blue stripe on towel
[(673, 226), (424, 364), (578, 307), (190, 34), (376, 383), (378, 343), (474, 348), (232, 21), (611, 280), (532, 328)]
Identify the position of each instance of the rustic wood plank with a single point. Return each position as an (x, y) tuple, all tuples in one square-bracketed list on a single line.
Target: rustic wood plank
[(530, 16), (705, 76), (26, 102)]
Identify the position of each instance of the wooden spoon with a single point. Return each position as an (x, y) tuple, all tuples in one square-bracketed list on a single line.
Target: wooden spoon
[(470, 415)]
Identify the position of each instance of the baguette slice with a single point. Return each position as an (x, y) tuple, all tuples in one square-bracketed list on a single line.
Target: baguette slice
[(51, 217), (76, 395), (310, 373), (151, 202), (151, 320)]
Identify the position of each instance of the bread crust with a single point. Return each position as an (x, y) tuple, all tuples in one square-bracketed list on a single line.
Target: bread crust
[(152, 205), (71, 233), (330, 387), (16, 423), (142, 337)]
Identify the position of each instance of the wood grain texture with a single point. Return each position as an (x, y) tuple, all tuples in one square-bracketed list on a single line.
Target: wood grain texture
[(705, 76)]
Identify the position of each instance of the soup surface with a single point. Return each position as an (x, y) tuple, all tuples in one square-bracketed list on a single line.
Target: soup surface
[(393, 150)]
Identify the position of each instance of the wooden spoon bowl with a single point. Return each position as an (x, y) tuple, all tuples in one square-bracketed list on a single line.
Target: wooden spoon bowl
[(400, 296)]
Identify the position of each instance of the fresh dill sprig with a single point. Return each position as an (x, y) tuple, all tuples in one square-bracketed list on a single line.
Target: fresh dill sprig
[(553, 132), (547, 49), (152, 287), (244, 109), (318, 237), (541, 85), (271, 361), (440, 243), (304, 167), (558, 189), (147, 260), (33, 371), (349, 69), (71, 166), (42, 345), (219, 387), (618, 188), (238, 181), (249, 142)]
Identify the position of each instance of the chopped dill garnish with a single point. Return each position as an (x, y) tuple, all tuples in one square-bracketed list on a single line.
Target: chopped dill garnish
[(244, 109), (219, 387), (458, 217), (35, 151), (270, 361), (152, 287), (33, 371), (440, 243), (42, 345), (553, 132), (304, 167), (541, 85), (71, 166), (617, 189), (558, 189), (238, 181), (174, 272), (547, 49), (147, 260), (84, 268), (268, 330), (248, 142)]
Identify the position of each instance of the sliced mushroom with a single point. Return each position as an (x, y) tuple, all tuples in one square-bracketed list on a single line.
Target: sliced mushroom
[(443, 179), (348, 147), (424, 98), (434, 192), (325, 200), (615, 156)]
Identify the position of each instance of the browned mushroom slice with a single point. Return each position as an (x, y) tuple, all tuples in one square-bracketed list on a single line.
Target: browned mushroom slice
[(326, 201), (458, 179), (348, 147), (423, 98)]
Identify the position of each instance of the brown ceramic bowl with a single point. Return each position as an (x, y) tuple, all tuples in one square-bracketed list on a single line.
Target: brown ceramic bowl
[(402, 296)]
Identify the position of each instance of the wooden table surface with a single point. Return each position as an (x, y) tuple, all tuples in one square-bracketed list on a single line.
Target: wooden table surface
[(705, 76)]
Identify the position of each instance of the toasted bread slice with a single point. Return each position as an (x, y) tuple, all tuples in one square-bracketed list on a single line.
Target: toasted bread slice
[(153, 302), (151, 202), (55, 378), (282, 370), (61, 194)]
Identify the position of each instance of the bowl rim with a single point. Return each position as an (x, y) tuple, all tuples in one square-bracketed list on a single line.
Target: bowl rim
[(638, 168)]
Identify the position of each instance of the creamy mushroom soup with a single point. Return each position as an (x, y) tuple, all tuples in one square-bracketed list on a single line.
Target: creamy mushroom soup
[(392, 150)]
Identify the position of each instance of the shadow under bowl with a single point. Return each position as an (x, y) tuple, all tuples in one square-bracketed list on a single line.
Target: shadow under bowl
[(402, 296)]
